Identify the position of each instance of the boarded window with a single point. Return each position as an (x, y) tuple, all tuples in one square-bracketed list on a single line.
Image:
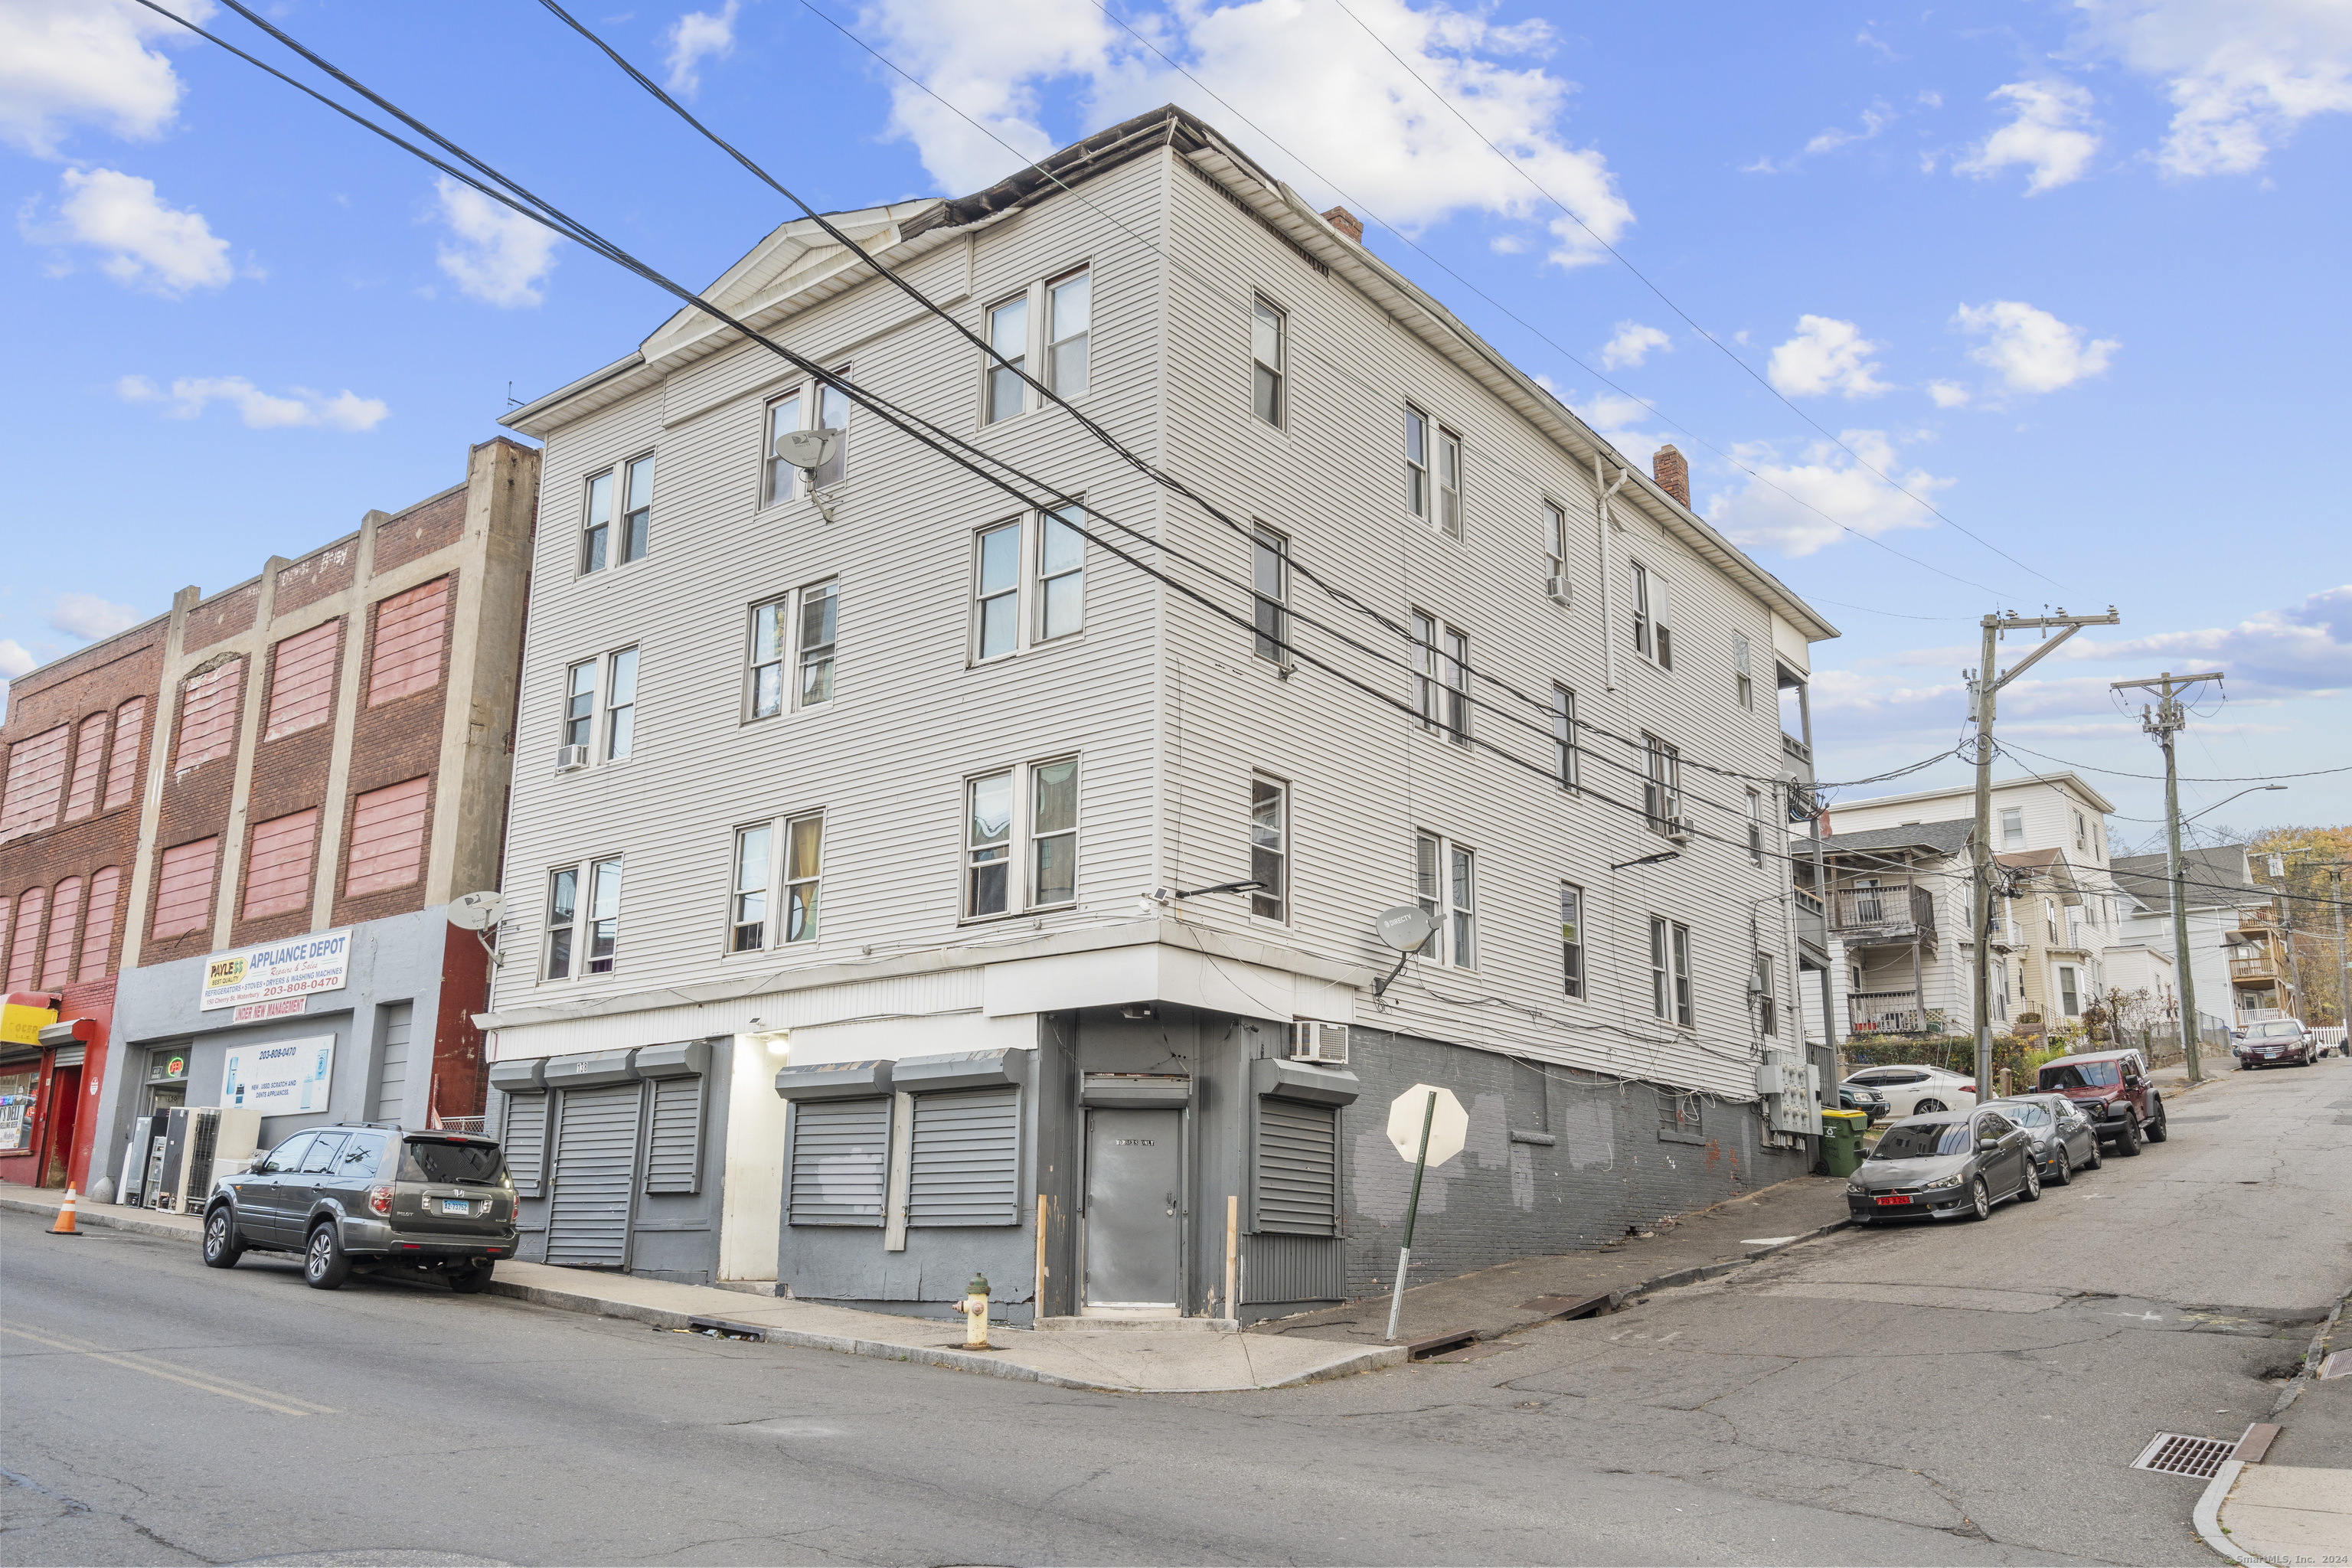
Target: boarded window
[(122, 772), (408, 642), (524, 1138), (303, 680), (37, 777), (1681, 1118), (26, 951), (184, 891), (838, 1149), (1297, 1168), (98, 930), (90, 749), (56, 954), (208, 715), (964, 1164), (387, 837), (674, 1148), (278, 871)]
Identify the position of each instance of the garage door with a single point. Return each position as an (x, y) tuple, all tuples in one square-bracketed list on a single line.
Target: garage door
[(595, 1160)]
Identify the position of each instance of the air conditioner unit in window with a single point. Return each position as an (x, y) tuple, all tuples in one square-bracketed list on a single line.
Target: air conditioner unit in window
[(1678, 830), (570, 758), (1555, 588), (1313, 1040)]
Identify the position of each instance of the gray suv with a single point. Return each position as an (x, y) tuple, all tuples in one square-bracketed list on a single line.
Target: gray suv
[(361, 1198)]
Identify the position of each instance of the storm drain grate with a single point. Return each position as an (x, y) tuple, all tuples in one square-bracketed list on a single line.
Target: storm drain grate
[(2172, 1454)]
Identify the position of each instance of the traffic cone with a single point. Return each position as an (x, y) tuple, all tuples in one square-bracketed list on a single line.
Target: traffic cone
[(65, 1226)]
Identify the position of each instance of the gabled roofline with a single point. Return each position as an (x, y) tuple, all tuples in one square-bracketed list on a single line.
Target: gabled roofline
[(2098, 801)]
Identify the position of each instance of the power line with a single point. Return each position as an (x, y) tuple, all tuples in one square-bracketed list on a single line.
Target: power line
[(2118, 772), (1677, 309)]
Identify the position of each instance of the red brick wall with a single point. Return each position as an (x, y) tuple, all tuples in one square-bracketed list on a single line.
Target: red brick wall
[(420, 531), (458, 1069), (393, 742), (195, 805), (222, 615), (328, 570), (288, 774)]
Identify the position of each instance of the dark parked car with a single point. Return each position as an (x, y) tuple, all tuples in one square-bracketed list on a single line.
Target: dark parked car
[(2113, 1088), (362, 1198), (1868, 1101), (2064, 1138), (2277, 1043), (1955, 1164)]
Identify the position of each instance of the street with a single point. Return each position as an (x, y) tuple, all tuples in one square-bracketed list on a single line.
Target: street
[(1964, 1394)]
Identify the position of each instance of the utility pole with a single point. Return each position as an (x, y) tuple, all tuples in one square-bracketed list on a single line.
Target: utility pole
[(2164, 719), (1984, 684)]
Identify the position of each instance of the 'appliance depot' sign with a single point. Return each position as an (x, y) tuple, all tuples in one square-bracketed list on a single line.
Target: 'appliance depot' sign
[(294, 968), (284, 1078)]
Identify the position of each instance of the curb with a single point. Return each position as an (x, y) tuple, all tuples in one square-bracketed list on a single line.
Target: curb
[(2207, 1517), (1714, 1270), (186, 1230)]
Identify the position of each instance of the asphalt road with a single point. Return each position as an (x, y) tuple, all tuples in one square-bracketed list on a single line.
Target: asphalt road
[(1969, 1393)]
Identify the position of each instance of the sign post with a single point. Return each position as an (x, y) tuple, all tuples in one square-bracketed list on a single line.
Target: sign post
[(1444, 1128)]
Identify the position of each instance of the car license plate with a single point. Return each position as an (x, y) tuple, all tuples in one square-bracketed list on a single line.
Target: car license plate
[(1893, 1198), (456, 1206)]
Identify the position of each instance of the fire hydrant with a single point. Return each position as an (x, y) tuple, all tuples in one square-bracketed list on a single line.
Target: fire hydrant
[(974, 1308)]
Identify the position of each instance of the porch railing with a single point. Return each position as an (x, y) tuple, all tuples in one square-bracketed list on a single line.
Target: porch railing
[(1892, 1013), (1894, 911)]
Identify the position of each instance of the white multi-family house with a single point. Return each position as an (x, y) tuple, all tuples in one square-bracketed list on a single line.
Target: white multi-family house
[(2236, 963), (912, 879)]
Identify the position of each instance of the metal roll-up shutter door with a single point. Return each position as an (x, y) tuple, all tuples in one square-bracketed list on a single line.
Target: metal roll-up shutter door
[(1298, 1167), (673, 1146), (840, 1150), (523, 1136), (964, 1167), (595, 1166)]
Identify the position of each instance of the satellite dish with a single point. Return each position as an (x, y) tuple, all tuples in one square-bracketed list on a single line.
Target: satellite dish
[(808, 450), (476, 911), (1405, 927)]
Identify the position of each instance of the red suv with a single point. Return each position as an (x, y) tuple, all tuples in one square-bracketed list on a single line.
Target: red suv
[(2113, 1088)]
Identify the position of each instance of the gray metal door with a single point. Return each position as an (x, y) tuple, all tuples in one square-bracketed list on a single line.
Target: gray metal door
[(595, 1169), (1135, 1226), (391, 1065)]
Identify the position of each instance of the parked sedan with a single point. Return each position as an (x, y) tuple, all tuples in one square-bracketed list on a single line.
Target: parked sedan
[(2064, 1141), (1913, 1090), (2277, 1043), (1869, 1101), (1951, 1166)]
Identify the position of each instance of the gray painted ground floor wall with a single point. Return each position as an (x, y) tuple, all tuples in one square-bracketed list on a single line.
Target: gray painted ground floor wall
[(381, 1022)]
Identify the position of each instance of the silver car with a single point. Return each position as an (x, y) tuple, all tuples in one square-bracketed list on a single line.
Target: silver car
[(1951, 1166), (2064, 1141)]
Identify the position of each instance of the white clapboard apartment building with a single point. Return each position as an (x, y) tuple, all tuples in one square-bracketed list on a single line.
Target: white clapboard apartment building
[(871, 916)]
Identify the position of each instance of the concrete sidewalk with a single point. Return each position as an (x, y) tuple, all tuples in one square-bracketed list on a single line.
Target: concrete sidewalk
[(1127, 1360), (2291, 1501)]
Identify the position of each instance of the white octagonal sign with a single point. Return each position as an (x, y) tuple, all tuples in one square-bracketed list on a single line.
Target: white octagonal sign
[(1449, 1127)]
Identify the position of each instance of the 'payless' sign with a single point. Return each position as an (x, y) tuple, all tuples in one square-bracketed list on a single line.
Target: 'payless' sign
[(293, 968)]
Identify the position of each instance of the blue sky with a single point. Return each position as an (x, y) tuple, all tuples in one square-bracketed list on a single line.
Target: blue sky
[(2071, 274)]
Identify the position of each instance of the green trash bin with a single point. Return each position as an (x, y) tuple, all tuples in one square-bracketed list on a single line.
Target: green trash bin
[(1842, 1133)]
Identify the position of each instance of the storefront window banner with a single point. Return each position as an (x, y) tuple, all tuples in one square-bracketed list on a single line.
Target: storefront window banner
[(284, 1078), (294, 968)]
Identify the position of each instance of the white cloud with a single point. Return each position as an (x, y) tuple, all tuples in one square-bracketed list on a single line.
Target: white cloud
[(1948, 394), (1826, 355), (1632, 344), (1313, 81), (1874, 118), (2032, 350), (2046, 136), (494, 253), (695, 37), (1617, 420), (145, 243), (14, 660), (1782, 507), (2302, 648), (88, 616), (189, 395), (2242, 74), (67, 61)]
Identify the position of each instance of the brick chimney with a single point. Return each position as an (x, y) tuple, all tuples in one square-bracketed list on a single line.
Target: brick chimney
[(1666, 465), (1347, 223)]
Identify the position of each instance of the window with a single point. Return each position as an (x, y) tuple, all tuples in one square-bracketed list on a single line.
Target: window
[(1642, 644), (388, 837), (748, 920), (1428, 889), (90, 749), (1270, 848), (25, 955), (988, 843), (1572, 939), (1743, 684), (996, 591), (596, 524), (833, 414), (579, 704), (1661, 782), (1053, 833), (1067, 308), (408, 628), (637, 509), (779, 479), (65, 914), (604, 916), (1416, 461), (208, 708), (36, 771), (563, 903), (2013, 827), (278, 867), (1661, 973), (820, 605), (766, 658), (2068, 991), (1008, 334), (2082, 843), (122, 768), (1768, 1000), (1563, 736), (1444, 884), (1556, 537), (620, 704), (183, 892), (1061, 573), (97, 930), (302, 678), (1449, 482), (1755, 827), (1268, 333), (1445, 661), (1270, 577), (1670, 972), (1653, 638), (803, 869)]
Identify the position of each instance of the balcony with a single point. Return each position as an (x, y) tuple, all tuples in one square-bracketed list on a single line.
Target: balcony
[(1897, 911), (1812, 921), (2257, 961), (1872, 1013)]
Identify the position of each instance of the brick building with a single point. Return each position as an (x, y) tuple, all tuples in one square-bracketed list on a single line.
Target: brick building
[(331, 743)]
